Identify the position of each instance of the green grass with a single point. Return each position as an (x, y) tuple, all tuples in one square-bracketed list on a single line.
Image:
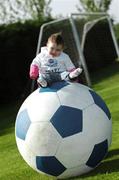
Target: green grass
[(13, 167)]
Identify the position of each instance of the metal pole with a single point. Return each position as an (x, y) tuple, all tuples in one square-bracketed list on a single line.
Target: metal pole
[(90, 14), (80, 54), (93, 23), (113, 36)]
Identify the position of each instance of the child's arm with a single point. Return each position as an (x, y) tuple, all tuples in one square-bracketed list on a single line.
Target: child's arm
[(34, 71), (34, 67), (73, 71), (69, 65)]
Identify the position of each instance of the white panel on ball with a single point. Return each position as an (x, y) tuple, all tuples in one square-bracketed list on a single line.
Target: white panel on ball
[(26, 153), (74, 150), (76, 95), (42, 103), (76, 171), (96, 125), (43, 139)]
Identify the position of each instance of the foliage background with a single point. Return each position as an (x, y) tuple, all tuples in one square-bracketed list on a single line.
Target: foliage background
[(18, 42)]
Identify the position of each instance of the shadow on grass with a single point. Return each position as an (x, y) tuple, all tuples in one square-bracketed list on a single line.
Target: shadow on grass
[(112, 153), (103, 168), (107, 166), (105, 72)]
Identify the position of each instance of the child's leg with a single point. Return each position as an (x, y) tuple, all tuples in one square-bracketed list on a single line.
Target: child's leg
[(52, 77), (47, 79)]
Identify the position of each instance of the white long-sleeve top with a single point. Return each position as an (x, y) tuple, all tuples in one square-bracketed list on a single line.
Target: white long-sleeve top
[(46, 63)]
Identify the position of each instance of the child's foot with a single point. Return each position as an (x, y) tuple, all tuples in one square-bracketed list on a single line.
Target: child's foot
[(64, 75), (42, 82), (75, 73)]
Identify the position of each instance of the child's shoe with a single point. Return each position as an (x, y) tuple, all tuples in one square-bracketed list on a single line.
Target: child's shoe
[(42, 82), (64, 75)]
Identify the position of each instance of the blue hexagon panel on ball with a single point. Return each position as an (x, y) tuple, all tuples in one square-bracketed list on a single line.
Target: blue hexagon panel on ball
[(64, 130)]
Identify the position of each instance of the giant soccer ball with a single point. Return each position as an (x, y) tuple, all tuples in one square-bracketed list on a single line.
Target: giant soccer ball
[(63, 130)]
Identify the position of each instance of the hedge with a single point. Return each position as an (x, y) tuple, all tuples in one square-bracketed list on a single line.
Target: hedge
[(18, 44)]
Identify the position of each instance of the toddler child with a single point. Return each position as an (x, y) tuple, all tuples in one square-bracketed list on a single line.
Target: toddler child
[(52, 64)]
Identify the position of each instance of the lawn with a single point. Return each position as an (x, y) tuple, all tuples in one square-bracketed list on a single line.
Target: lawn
[(13, 167)]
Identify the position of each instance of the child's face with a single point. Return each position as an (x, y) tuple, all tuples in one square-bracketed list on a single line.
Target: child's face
[(54, 49)]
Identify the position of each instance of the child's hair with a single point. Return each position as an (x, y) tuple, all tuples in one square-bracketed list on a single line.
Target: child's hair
[(56, 38)]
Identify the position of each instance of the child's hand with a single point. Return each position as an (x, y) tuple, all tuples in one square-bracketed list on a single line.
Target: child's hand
[(75, 73)]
